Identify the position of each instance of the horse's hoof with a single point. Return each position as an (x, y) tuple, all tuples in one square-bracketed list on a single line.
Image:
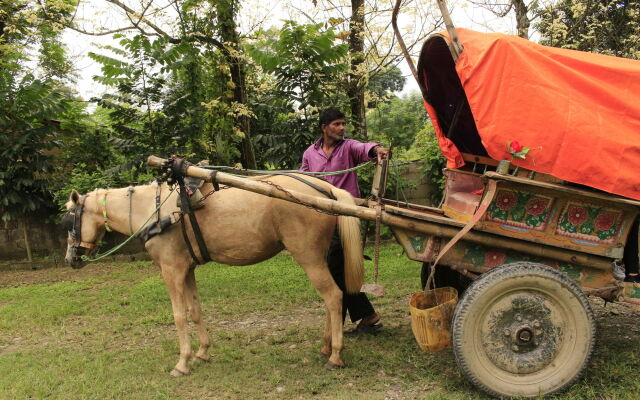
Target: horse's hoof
[(325, 352), (332, 365), (201, 359), (177, 373)]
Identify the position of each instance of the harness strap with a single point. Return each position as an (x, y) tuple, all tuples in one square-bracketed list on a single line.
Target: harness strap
[(157, 227), (179, 168), (183, 225), (158, 193), (212, 176)]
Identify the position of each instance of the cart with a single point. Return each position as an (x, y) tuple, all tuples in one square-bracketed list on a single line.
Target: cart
[(524, 232)]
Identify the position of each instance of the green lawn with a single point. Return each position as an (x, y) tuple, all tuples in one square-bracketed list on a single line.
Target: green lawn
[(106, 332)]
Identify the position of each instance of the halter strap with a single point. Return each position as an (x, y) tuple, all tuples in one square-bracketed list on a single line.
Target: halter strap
[(76, 230), (104, 212)]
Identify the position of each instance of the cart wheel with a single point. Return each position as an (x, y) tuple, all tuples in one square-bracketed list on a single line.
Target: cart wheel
[(444, 276), (523, 329)]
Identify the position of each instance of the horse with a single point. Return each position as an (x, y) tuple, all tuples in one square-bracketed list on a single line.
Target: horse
[(239, 228)]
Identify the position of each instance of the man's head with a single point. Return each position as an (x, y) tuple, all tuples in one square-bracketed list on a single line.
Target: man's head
[(332, 124)]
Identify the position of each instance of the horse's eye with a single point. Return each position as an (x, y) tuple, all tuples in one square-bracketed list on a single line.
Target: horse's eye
[(67, 221)]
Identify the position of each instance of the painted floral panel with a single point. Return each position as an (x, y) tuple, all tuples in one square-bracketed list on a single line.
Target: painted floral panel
[(485, 257), (521, 209), (588, 222)]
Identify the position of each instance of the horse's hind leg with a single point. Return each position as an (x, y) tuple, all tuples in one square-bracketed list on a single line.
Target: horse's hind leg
[(174, 277), (196, 315)]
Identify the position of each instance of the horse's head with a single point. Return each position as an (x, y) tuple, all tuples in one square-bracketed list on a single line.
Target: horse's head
[(85, 227)]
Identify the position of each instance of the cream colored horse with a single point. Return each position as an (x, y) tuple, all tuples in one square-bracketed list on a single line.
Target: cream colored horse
[(239, 228)]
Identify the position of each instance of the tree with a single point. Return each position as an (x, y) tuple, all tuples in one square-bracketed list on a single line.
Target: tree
[(357, 75), (600, 26), (227, 13), (305, 67), (372, 46), (525, 12), (31, 100), (383, 84), (397, 121), (204, 29)]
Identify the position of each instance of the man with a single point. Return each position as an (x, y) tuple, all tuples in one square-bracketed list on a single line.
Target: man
[(332, 152)]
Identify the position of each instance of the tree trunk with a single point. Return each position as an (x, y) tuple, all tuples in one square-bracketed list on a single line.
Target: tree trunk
[(357, 75), (522, 20), (27, 244), (230, 38)]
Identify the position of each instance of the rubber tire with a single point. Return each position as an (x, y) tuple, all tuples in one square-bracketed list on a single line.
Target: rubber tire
[(514, 298)]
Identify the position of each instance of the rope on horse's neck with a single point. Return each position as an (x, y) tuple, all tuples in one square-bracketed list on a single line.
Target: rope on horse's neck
[(258, 171), (130, 191), (135, 234)]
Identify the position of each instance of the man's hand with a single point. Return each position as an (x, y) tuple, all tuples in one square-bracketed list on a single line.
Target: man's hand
[(382, 153)]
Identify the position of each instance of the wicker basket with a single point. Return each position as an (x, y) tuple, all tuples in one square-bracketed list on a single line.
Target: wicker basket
[(431, 314)]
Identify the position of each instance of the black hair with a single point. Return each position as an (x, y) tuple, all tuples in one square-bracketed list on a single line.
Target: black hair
[(328, 115)]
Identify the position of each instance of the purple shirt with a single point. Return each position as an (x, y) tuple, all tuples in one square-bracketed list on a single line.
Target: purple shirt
[(347, 154)]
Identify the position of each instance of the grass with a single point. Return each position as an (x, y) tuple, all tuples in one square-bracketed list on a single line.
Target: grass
[(106, 332)]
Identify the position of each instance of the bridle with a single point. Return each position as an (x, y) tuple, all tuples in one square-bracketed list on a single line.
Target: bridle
[(75, 215)]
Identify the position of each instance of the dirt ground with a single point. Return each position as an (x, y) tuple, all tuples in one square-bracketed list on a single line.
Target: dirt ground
[(28, 277)]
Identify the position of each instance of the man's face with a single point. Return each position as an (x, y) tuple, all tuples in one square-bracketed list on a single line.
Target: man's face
[(334, 130)]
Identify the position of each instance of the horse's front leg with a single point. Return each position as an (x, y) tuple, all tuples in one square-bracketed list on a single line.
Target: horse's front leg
[(326, 335), (333, 300), (196, 315), (332, 295), (174, 277)]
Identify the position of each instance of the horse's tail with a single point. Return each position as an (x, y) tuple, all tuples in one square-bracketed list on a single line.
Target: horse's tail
[(351, 243)]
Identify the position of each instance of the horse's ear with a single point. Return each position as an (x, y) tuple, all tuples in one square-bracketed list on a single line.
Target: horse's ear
[(74, 197)]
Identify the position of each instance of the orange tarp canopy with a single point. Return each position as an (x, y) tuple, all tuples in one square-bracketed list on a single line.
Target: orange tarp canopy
[(578, 112)]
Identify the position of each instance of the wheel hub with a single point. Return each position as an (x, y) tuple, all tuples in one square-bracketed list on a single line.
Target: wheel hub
[(521, 335)]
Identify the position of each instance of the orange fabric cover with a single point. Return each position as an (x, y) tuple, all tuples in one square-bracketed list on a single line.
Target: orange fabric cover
[(578, 112)]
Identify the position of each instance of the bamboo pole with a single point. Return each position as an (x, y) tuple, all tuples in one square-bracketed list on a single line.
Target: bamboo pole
[(434, 225), (457, 47)]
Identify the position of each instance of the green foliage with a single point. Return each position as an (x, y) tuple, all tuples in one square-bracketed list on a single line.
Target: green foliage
[(382, 82), (425, 148), (33, 68), (133, 108), (84, 179), (609, 27), (303, 69), (397, 121), (306, 63), (27, 136)]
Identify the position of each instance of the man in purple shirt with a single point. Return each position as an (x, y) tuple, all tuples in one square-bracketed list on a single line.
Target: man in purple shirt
[(332, 152)]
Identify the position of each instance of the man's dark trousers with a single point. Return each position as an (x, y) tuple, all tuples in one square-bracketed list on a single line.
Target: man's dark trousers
[(357, 304)]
